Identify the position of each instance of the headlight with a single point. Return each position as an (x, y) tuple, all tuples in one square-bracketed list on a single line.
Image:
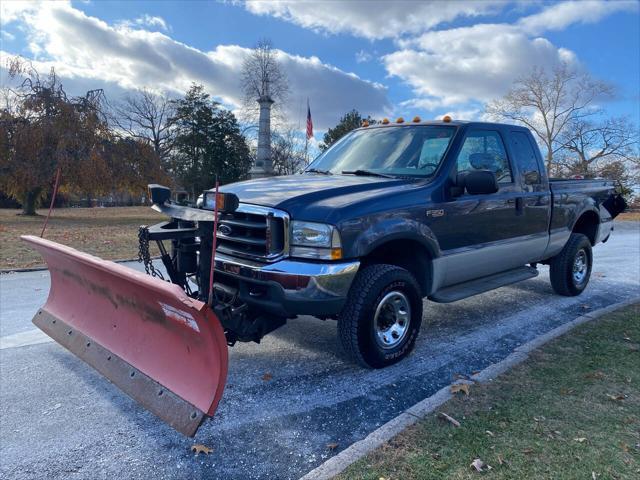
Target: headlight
[(315, 240)]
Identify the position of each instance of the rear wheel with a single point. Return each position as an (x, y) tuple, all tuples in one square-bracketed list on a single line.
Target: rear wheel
[(379, 323), (570, 270)]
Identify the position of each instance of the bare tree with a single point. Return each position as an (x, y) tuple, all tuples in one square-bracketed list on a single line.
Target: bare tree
[(263, 77), (147, 117), (548, 103), (592, 146), (287, 152)]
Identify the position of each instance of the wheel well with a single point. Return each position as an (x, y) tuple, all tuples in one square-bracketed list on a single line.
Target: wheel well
[(587, 224), (408, 254)]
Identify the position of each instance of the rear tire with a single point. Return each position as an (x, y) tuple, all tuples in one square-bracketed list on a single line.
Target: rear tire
[(380, 321), (570, 270)]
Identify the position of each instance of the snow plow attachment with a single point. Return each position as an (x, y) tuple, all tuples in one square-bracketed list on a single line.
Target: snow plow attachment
[(161, 347)]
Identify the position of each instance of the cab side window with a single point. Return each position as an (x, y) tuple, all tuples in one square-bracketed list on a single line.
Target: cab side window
[(526, 157), (484, 150)]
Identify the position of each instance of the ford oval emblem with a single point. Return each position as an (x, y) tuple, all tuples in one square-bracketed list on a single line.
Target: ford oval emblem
[(224, 230)]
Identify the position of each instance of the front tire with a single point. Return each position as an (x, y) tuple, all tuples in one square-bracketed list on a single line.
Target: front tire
[(380, 321), (570, 270)]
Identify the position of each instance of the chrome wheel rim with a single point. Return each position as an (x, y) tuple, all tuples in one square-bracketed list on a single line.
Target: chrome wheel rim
[(580, 267), (391, 320)]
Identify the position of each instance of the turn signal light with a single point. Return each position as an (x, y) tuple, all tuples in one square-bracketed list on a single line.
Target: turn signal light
[(336, 253)]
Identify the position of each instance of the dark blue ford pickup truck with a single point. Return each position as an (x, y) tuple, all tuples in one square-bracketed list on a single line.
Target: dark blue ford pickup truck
[(389, 215)]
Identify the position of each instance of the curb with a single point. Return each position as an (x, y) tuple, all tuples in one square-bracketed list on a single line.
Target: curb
[(336, 465)]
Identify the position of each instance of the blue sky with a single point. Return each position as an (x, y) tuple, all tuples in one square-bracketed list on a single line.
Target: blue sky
[(383, 58)]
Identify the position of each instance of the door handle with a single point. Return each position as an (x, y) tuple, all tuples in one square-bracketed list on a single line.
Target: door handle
[(519, 206)]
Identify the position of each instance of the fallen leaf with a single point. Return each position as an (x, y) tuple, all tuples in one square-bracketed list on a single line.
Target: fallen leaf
[(598, 375), (460, 387), (594, 475), (449, 419), (527, 451), (627, 337), (475, 372), (580, 439), (617, 397), (480, 466), (625, 447), (501, 460), (198, 449), (267, 376), (490, 433), (332, 446), (585, 306)]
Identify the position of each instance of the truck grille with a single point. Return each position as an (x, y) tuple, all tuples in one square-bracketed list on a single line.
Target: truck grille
[(255, 232)]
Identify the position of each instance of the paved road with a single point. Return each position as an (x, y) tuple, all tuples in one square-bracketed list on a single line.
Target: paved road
[(59, 419)]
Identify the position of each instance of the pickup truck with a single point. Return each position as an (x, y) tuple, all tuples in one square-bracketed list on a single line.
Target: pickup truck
[(389, 215)]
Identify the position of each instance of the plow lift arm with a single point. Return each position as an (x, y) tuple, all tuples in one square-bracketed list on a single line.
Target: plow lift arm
[(158, 341)]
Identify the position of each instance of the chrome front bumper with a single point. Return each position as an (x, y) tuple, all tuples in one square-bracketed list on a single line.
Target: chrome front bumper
[(290, 287)]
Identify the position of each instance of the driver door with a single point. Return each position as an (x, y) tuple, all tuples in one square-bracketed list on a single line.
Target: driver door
[(478, 233)]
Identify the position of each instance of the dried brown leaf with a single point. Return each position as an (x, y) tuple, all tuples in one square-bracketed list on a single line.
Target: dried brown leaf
[(618, 397), (332, 446), (267, 376), (199, 448), (460, 387)]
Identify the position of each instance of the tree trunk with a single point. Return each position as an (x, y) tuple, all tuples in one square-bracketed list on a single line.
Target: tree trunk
[(549, 160), (30, 201)]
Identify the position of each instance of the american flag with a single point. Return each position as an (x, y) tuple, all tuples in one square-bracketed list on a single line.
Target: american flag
[(309, 122)]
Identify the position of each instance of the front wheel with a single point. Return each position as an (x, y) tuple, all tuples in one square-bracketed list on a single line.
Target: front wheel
[(380, 321), (570, 270)]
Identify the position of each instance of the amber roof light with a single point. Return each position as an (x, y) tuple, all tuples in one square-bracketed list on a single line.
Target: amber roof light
[(385, 121), (446, 118), (416, 119), (399, 120), (365, 123)]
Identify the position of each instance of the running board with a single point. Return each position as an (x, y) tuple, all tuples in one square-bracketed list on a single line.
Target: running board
[(484, 284)]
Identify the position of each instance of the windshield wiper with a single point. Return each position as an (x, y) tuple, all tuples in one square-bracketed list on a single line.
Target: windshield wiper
[(366, 173), (316, 170)]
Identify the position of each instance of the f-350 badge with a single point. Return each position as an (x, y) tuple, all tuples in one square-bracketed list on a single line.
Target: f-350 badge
[(435, 213)]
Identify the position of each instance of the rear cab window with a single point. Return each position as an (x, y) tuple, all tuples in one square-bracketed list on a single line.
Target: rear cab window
[(526, 158)]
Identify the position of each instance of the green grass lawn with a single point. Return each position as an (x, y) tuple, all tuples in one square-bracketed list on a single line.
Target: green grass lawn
[(571, 411), (110, 233)]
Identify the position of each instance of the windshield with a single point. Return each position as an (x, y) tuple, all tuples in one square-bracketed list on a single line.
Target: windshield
[(414, 150)]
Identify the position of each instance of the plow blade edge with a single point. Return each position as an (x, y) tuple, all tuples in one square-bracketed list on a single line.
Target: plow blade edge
[(161, 347)]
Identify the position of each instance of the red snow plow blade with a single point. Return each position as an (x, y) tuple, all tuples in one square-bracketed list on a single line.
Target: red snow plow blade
[(161, 347)]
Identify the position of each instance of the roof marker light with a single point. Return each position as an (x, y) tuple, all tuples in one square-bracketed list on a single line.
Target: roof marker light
[(446, 118), (365, 123), (399, 120), (385, 121), (416, 119)]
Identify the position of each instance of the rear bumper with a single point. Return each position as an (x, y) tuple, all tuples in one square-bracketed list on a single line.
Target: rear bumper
[(288, 287)]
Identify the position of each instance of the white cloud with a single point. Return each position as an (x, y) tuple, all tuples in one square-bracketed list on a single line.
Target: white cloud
[(102, 54), (149, 21), (563, 14), (363, 57), (451, 68), (373, 20), (7, 36)]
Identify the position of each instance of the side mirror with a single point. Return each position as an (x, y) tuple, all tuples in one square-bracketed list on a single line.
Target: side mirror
[(477, 182), (158, 193)]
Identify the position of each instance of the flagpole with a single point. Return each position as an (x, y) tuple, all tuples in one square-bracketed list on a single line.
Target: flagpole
[(306, 139)]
